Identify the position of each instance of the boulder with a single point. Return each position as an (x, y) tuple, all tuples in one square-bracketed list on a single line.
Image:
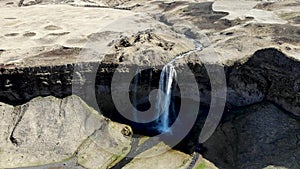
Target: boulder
[(49, 130)]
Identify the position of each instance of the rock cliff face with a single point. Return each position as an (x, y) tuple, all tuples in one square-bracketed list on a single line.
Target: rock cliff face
[(257, 137), (267, 75), (256, 43)]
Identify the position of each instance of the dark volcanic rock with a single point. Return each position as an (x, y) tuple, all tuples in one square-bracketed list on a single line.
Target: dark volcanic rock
[(259, 136), (267, 75)]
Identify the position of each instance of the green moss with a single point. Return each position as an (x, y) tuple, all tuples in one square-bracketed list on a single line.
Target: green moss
[(115, 160), (201, 166), (142, 140), (290, 15)]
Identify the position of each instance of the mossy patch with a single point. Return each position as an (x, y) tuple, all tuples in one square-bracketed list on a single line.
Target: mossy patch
[(201, 166)]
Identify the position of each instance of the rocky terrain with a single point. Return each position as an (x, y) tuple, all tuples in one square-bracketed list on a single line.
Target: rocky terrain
[(52, 50), (50, 130)]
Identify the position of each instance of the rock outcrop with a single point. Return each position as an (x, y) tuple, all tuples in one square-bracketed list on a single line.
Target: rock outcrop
[(267, 75), (50, 130)]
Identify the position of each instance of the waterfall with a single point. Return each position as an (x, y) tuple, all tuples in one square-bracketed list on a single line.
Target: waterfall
[(167, 81), (167, 76)]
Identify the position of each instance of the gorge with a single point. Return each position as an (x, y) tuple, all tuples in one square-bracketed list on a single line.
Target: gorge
[(265, 76), (62, 100)]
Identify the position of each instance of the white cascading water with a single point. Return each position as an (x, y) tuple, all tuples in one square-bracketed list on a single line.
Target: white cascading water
[(167, 76), (135, 90)]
